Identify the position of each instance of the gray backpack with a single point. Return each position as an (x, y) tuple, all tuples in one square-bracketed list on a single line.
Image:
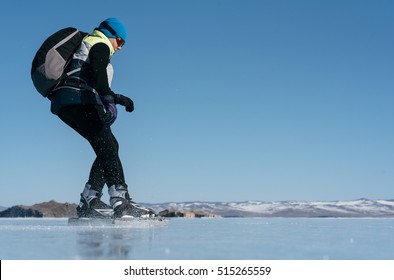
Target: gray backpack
[(48, 65)]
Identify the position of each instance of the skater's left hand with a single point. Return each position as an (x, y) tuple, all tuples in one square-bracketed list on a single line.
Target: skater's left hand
[(125, 101), (110, 108)]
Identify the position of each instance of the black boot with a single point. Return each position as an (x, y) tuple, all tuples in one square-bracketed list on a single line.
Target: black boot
[(91, 206), (123, 205)]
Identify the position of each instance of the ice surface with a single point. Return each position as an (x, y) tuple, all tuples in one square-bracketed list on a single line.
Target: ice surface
[(226, 238)]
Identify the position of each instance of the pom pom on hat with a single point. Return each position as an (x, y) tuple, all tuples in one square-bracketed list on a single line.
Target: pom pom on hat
[(116, 25)]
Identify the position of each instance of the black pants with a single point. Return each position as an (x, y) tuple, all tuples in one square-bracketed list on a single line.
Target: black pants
[(87, 120)]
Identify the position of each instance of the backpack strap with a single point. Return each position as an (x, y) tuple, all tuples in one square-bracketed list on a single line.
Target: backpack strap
[(74, 83)]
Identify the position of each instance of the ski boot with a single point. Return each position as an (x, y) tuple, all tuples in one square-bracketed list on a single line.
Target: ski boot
[(123, 205), (91, 206)]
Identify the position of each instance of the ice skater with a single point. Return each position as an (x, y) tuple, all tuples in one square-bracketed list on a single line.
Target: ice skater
[(85, 102)]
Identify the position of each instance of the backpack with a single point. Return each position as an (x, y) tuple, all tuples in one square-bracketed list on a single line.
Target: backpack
[(48, 65)]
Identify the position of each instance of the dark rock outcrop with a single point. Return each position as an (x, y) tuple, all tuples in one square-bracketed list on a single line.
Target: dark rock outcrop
[(187, 214), (18, 211), (50, 209)]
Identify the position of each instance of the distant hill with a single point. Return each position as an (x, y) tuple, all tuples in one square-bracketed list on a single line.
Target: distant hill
[(17, 211), (45, 209), (55, 209), (339, 209)]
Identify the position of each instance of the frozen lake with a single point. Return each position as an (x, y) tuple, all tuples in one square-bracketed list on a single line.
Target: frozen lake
[(187, 239)]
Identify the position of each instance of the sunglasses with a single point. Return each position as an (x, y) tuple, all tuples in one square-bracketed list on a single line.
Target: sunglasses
[(120, 41)]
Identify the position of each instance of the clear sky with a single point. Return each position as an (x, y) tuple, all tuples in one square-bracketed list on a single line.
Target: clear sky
[(234, 100)]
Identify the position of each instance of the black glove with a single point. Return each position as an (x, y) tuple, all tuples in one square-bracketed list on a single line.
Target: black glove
[(125, 101), (110, 109)]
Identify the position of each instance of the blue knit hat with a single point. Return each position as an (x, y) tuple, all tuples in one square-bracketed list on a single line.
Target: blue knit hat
[(118, 28)]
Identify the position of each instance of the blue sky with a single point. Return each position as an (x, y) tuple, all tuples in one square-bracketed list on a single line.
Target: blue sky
[(235, 100)]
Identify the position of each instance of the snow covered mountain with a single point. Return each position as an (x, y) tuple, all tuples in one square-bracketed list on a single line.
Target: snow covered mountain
[(354, 208), (341, 209)]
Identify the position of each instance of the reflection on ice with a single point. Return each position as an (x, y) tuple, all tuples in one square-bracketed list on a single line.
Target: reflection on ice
[(229, 238), (116, 243)]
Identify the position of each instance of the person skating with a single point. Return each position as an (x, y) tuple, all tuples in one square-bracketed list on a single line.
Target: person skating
[(86, 103)]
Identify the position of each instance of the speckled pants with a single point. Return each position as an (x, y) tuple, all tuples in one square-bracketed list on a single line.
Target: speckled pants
[(87, 120)]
